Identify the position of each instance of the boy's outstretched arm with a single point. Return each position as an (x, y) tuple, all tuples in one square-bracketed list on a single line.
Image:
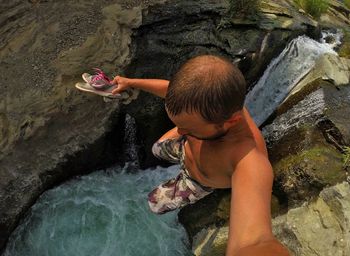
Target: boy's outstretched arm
[(157, 87), (250, 231)]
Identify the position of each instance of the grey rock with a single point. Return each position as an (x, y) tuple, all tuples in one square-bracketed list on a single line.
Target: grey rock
[(318, 228), (49, 130), (306, 144)]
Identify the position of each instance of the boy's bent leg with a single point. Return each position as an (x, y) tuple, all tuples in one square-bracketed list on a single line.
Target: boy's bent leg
[(176, 193), (169, 149)]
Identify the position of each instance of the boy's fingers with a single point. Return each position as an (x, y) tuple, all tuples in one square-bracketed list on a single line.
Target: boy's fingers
[(115, 80), (115, 91)]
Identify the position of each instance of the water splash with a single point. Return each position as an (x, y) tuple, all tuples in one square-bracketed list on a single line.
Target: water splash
[(130, 147), (104, 213), (332, 38), (283, 73)]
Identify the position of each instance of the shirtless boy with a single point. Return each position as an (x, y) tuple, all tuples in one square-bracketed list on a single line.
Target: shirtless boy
[(217, 145)]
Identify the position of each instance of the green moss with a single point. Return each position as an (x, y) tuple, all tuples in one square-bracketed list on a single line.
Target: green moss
[(313, 7), (346, 157), (324, 163), (347, 3), (344, 50)]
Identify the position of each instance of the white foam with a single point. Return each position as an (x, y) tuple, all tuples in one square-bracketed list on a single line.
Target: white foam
[(104, 213), (283, 73)]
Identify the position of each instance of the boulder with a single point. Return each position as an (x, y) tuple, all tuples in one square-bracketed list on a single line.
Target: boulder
[(320, 227), (305, 144), (328, 67), (219, 204)]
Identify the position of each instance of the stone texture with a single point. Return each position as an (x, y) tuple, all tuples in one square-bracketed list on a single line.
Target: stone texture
[(173, 33), (48, 130), (328, 67), (219, 204), (305, 144), (318, 228)]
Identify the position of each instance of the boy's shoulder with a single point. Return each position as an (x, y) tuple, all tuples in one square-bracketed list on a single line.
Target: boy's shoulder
[(240, 149)]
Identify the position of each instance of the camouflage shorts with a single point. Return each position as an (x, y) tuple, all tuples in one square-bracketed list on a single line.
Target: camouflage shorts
[(179, 191)]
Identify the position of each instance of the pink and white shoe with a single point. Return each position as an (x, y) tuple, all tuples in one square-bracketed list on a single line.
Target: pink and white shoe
[(99, 80)]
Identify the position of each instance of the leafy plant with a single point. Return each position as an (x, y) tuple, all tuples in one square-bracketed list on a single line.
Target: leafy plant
[(314, 7), (243, 7)]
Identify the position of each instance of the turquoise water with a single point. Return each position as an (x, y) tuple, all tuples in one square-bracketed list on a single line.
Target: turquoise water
[(104, 213)]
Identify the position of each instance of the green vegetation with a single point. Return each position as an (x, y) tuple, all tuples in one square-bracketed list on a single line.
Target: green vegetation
[(344, 50), (243, 7), (346, 157), (347, 3), (314, 7), (313, 162)]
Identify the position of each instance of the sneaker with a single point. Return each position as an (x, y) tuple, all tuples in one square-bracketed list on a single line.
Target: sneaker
[(99, 80), (107, 92)]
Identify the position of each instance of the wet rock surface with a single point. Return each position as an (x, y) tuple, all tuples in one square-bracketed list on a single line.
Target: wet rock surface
[(306, 148), (328, 67)]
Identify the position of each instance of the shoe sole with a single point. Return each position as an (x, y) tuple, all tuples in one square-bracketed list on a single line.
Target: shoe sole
[(86, 77), (88, 88)]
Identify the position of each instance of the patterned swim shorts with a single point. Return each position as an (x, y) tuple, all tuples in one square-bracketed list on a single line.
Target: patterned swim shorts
[(181, 190)]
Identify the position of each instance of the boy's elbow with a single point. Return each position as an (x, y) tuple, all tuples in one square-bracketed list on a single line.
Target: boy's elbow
[(271, 247)]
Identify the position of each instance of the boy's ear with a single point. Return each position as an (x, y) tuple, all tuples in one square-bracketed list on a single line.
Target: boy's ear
[(236, 117)]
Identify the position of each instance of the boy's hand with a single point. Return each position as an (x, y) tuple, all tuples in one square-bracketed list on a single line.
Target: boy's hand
[(122, 84)]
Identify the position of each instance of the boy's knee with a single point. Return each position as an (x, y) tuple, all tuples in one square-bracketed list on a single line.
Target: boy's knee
[(156, 150), (155, 202)]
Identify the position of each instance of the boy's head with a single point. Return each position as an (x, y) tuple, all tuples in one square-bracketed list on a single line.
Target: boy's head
[(208, 85)]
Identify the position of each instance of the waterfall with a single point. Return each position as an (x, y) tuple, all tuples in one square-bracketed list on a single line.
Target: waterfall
[(130, 147), (284, 72)]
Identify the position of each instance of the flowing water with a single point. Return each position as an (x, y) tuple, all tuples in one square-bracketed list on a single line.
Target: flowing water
[(104, 213), (285, 71)]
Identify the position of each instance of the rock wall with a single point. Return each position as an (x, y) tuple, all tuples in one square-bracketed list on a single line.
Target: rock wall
[(49, 131)]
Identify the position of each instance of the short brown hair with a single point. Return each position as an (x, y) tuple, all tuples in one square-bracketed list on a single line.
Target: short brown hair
[(209, 85)]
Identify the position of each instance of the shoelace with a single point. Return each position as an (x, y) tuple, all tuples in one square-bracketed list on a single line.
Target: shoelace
[(100, 75)]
